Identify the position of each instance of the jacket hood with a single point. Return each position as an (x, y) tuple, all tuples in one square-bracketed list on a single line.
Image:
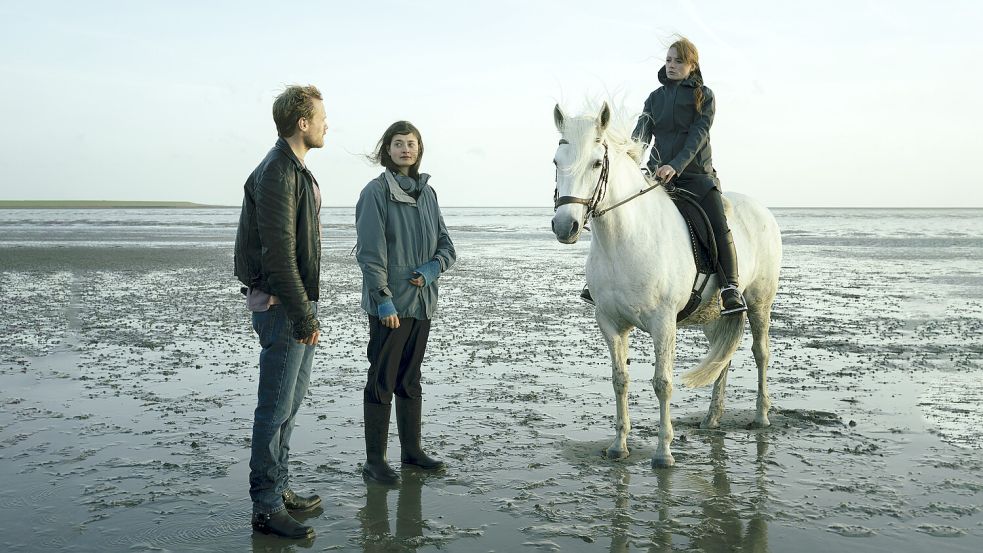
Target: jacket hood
[(694, 80), (402, 188)]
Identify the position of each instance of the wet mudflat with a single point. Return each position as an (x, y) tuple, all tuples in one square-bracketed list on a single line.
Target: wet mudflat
[(128, 374)]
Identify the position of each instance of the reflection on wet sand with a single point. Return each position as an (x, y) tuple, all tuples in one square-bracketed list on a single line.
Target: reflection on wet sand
[(376, 534), (719, 528)]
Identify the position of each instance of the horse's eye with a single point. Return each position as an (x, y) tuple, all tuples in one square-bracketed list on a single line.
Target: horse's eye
[(597, 164)]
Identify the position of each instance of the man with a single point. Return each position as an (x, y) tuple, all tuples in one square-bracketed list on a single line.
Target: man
[(278, 258)]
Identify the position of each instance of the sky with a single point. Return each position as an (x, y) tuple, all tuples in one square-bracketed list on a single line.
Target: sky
[(826, 104)]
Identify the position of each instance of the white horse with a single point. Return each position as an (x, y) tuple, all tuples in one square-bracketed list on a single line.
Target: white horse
[(640, 269)]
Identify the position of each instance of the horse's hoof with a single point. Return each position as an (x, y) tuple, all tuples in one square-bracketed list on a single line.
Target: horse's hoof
[(663, 462), (616, 454), (710, 424), (761, 423)]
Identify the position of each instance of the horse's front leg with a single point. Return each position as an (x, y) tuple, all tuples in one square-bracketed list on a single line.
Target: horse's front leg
[(663, 331), (617, 339)]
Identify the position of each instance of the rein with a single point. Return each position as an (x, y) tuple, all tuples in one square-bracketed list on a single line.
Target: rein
[(600, 189)]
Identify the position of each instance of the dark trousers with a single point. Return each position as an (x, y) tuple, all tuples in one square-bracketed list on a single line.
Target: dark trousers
[(395, 356), (707, 189), (713, 205)]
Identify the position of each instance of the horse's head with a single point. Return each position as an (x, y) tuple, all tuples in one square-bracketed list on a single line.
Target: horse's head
[(581, 165)]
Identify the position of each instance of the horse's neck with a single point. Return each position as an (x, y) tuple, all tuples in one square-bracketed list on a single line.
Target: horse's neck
[(632, 225)]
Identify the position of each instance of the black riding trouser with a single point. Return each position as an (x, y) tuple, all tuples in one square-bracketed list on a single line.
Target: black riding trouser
[(707, 189), (395, 356)]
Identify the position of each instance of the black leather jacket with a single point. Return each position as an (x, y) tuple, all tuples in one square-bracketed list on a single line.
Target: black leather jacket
[(278, 245)]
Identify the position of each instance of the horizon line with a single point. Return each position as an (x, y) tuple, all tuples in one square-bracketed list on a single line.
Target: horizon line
[(167, 204)]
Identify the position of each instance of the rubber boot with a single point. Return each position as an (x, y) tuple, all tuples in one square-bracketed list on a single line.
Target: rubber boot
[(409, 420), (732, 302), (376, 439)]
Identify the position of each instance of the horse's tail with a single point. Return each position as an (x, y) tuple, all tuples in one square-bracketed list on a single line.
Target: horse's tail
[(725, 336)]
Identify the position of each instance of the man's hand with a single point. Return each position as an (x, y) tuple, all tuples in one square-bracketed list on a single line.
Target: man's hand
[(418, 280), (312, 339)]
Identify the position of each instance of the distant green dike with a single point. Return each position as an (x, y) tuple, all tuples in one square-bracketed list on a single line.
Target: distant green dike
[(97, 204)]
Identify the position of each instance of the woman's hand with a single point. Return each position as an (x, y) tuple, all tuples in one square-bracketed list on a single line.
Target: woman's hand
[(418, 280), (665, 173), (390, 322), (388, 314)]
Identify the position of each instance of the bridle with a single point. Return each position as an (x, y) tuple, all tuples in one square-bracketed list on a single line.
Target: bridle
[(600, 189)]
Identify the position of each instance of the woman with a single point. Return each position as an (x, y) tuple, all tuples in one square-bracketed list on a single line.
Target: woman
[(403, 247), (678, 115)]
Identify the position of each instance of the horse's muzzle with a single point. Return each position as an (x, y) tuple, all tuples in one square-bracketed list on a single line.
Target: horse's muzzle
[(566, 228)]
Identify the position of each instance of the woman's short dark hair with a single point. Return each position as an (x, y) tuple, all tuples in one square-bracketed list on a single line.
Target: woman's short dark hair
[(381, 155)]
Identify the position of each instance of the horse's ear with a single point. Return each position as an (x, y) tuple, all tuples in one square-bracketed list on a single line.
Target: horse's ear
[(558, 117), (604, 117)]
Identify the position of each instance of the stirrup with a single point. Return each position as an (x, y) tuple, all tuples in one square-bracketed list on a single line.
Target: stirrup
[(740, 297)]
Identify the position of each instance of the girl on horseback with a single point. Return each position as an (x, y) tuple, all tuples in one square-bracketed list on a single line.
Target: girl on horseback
[(678, 116)]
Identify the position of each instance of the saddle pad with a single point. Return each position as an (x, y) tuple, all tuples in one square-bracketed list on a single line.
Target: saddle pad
[(701, 234)]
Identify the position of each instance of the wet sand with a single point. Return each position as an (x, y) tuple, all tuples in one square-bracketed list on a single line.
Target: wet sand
[(128, 374)]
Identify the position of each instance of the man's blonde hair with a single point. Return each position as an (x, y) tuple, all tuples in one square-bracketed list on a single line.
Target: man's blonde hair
[(294, 103)]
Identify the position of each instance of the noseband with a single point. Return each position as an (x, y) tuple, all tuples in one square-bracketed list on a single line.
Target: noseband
[(600, 188), (599, 191)]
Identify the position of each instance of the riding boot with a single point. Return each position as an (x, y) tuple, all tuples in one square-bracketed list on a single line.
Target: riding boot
[(585, 295), (731, 300), (376, 439), (409, 420)]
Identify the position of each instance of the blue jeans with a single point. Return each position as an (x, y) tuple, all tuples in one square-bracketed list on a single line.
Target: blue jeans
[(284, 373)]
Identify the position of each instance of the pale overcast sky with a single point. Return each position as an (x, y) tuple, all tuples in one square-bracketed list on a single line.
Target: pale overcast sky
[(836, 103)]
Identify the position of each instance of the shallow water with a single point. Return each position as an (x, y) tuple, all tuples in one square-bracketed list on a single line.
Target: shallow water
[(128, 377)]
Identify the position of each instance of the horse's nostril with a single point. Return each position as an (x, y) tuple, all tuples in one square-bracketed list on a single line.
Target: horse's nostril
[(553, 226), (573, 229)]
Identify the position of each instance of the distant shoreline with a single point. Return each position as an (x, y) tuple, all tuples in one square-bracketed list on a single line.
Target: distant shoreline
[(120, 204), (100, 204)]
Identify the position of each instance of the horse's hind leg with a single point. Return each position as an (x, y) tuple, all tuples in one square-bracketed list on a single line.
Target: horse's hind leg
[(617, 339), (760, 318), (716, 410)]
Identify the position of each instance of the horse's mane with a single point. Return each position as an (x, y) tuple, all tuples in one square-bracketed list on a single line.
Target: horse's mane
[(581, 131)]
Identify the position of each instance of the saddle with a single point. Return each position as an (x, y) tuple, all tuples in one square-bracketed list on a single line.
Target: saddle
[(703, 243)]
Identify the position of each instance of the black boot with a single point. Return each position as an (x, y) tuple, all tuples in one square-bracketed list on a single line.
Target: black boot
[(376, 439), (281, 524), (732, 302), (409, 420), (585, 295), (295, 502)]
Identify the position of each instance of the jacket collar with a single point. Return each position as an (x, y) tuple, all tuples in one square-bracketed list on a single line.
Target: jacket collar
[(396, 192), (281, 144), (694, 80)]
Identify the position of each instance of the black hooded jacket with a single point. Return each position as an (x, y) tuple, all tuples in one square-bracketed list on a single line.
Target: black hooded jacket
[(682, 135)]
